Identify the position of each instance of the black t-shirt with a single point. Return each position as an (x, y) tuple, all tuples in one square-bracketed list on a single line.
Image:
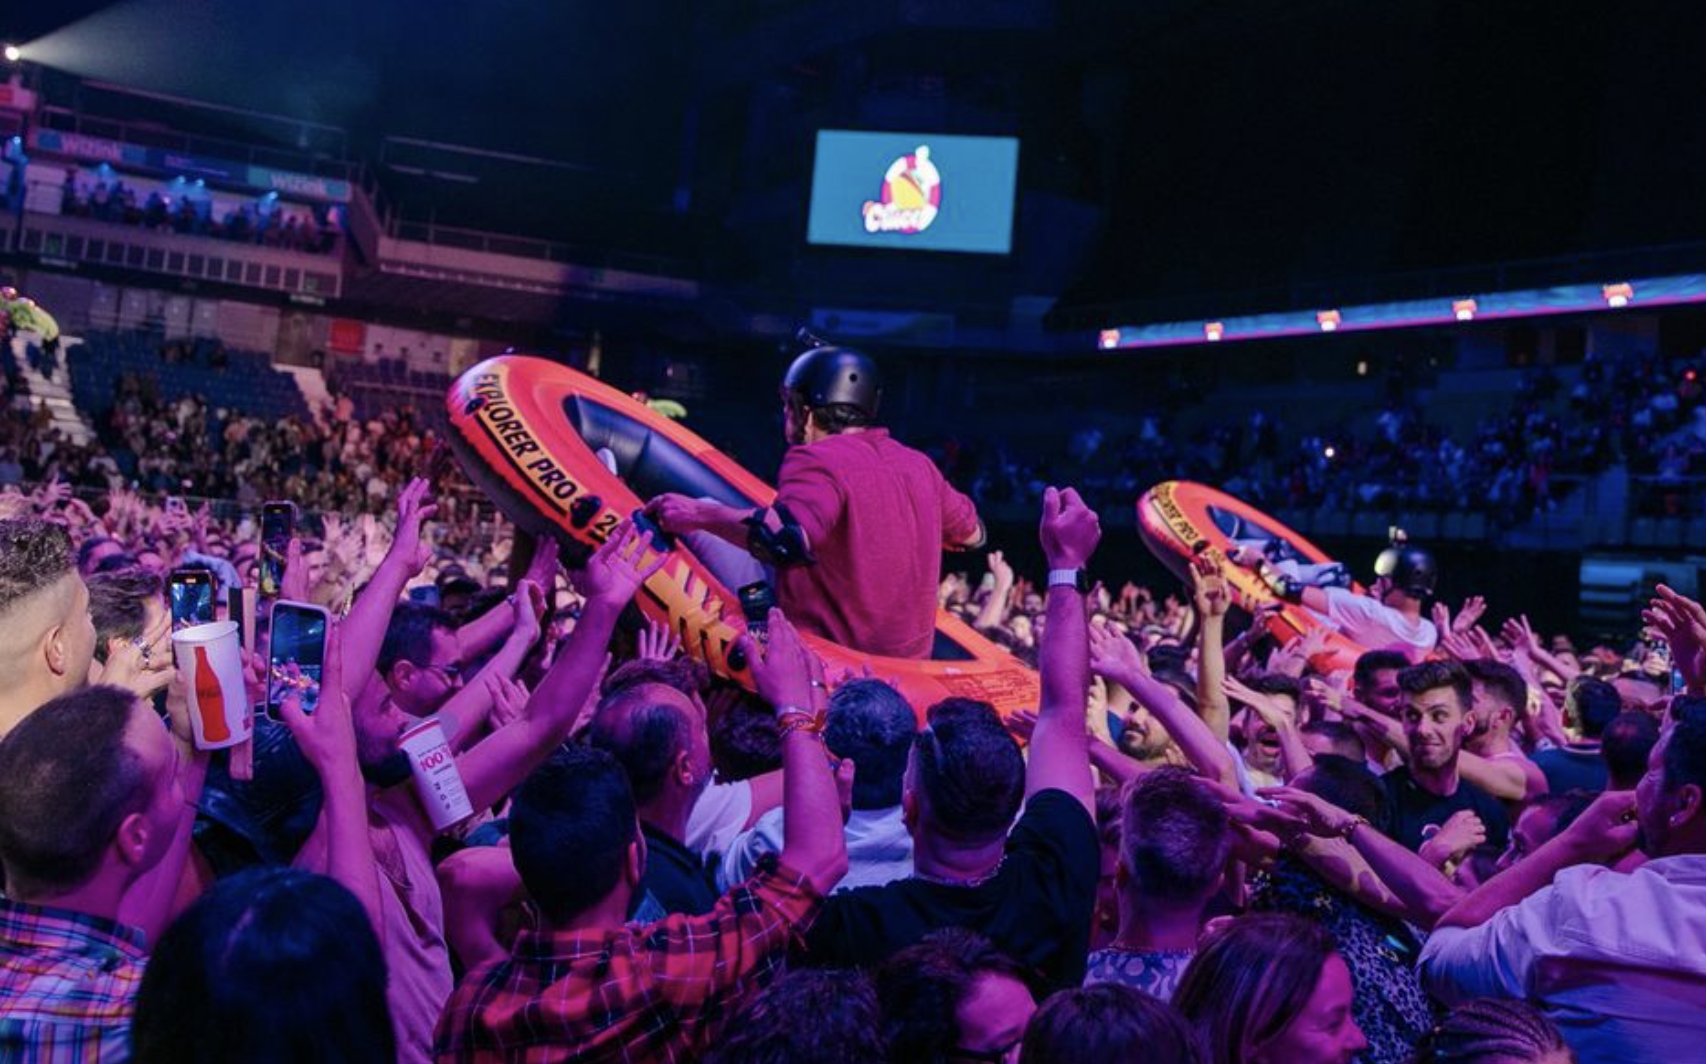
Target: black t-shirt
[(1409, 809), (1038, 907), (675, 877)]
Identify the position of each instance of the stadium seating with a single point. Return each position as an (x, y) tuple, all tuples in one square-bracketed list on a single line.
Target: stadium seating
[(247, 384)]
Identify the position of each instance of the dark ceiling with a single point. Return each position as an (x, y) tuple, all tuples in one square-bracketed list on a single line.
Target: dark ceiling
[(1220, 144)]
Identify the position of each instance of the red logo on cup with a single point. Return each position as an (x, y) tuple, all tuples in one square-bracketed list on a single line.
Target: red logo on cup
[(209, 699)]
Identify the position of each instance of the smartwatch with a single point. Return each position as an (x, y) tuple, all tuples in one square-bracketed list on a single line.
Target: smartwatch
[(1073, 578)]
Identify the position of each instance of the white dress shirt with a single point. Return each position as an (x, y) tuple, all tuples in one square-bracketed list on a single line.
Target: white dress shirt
[(1618, 960)]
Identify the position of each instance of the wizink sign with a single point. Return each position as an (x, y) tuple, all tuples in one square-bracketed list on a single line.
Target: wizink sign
[(934, 192)]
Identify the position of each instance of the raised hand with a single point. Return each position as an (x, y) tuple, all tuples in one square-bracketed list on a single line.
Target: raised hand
[(1456, 644), (543, 568), (1486, 647), (1468, 613), (616, 570), (1070, 530), (415, 507), (1269, 707), (1284, 822), (49, 496), (509, 700), (1002, 572), (141, 666), (327, 737), (1114, 656), (1209, 591), (785, 671), (528, 604), (1681, 622), (294, 585), (1318, 816), (1520, 636), (658, 642), (1096, 710), (1607, 829)]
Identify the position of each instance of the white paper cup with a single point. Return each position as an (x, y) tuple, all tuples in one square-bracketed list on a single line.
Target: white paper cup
[(210, 658), (437, 781)]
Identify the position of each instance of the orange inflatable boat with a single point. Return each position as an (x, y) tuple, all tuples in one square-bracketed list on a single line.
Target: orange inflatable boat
[(529, 432), (1176, 517)]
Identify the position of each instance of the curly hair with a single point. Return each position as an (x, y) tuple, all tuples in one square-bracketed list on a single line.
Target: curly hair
[(34, 555)]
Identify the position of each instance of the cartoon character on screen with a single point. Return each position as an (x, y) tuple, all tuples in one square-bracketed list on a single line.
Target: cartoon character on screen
[(911, 196)]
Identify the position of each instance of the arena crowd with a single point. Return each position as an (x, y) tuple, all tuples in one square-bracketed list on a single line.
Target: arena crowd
[(1477, 844)]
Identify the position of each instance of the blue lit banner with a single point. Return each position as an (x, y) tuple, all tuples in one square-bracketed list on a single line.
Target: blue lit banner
[(1528, 303), (914, 191), (181, 164)]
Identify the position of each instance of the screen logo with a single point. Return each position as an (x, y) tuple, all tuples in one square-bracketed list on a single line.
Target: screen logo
[(911, 196)]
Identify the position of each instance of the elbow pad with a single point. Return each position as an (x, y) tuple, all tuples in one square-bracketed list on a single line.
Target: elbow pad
[(1283, 586), (776, 538)]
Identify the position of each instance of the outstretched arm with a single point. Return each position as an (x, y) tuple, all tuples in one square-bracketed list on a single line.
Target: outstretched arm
[(1605, 831), (341, 847), (1212, 599), (1505, 779), (790, 677), (1060, 745), (1116, 658), (370, 614), (492, 627), (994, 612), (1422, 892), (463, 715), (614, 574)]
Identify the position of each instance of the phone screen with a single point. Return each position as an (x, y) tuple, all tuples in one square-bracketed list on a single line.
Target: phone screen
[(190, 593), (296, 654), (278, 524)]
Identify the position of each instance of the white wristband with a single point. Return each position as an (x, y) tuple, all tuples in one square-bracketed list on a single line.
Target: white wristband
[(1063, 578)]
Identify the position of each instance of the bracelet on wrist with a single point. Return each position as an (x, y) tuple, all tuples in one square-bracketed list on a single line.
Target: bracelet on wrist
[(792, 719), (1351, 826)]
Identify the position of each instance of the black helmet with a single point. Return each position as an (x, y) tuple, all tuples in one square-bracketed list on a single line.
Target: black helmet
[(826, 375), (1411, 569)]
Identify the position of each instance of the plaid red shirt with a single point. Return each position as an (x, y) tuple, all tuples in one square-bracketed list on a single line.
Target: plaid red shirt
[(68, 986), (654, 994)]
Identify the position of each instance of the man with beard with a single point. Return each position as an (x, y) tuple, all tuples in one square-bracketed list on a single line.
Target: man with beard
[(1491, 759), (1431, 808), (1616, 958), (411, 905)]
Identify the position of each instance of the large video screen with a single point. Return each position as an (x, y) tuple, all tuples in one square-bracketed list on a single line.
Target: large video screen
[(914, 191)]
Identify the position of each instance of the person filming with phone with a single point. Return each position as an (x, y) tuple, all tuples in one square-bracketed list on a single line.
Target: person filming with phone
[(856, 532)]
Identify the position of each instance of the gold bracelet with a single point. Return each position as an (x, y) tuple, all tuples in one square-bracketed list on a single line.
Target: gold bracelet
[(1350, 829)]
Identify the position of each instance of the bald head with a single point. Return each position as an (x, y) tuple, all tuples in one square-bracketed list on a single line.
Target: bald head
[(648, 727)]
